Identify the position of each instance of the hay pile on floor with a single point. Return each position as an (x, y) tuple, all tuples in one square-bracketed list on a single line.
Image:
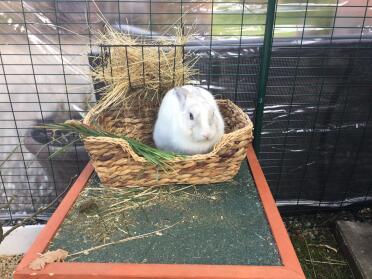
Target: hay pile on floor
[(135, 70)]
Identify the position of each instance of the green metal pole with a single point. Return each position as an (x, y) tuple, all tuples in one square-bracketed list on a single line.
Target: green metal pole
[(264, 72)]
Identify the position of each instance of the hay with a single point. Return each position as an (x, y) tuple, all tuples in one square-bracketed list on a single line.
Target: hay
[(135, 70), (8, 264), (104, 213)]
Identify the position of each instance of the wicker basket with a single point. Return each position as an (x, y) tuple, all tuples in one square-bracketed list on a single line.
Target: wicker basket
[(118, 165)]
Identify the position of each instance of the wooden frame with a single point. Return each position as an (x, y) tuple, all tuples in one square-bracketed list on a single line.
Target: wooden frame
[(290, 268)]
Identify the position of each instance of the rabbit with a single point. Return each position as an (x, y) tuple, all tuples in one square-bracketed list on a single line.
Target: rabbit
[(188, 122)]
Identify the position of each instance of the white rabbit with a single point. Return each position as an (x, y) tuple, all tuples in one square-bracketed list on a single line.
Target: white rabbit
[(189, 121)]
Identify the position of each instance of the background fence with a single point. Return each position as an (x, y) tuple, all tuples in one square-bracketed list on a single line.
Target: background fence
[(302, 73)]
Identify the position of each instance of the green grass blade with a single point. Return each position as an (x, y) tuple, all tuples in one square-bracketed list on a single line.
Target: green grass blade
[(153, 155)]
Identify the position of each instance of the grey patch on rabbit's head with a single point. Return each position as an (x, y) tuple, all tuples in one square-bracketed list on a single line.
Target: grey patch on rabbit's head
[(181, 94)]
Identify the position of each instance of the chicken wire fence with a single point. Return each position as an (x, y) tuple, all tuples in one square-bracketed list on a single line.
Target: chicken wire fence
[(301, 70)]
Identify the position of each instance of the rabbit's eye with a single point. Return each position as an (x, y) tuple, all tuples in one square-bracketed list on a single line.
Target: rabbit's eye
[(191, 116)]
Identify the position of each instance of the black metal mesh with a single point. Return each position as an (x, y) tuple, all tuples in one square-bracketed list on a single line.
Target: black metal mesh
[(316, 144), (316, 132)]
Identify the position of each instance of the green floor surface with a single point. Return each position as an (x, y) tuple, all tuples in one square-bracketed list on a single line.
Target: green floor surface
[(212, 224)]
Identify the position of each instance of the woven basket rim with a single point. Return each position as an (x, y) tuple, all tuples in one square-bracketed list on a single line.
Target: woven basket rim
[(226, 137), (90, 115)]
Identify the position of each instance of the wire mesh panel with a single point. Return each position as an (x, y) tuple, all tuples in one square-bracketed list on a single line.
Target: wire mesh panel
[(316, 142), (43, 79), (316, 130), (45, 75)]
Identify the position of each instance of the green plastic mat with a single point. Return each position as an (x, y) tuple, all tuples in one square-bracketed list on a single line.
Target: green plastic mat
[(209, 224)]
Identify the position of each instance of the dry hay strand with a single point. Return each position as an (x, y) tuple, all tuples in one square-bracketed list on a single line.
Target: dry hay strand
[(135, 70), (100, 212)]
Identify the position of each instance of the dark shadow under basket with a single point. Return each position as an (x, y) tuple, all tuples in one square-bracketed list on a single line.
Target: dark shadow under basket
[(117, 165)]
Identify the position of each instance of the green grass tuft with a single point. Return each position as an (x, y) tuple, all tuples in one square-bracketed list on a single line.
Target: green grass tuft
[(152, 155)]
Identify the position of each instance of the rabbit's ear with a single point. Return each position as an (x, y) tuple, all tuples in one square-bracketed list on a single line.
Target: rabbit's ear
[(181, 94)]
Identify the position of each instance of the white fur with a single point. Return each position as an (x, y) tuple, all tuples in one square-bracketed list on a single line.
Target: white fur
[(175, 131)]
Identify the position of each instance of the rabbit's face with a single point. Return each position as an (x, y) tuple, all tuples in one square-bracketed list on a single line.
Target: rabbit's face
[(189, 121), (201, 124)]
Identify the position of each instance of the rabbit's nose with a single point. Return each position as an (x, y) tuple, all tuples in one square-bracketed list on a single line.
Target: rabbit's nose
[(205, 136)]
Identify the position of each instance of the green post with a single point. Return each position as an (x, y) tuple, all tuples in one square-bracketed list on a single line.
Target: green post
[(264, 72)]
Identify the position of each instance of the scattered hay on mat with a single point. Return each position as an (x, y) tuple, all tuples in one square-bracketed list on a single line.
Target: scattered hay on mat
[(137, 70), (101, 212), (8, 265)]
